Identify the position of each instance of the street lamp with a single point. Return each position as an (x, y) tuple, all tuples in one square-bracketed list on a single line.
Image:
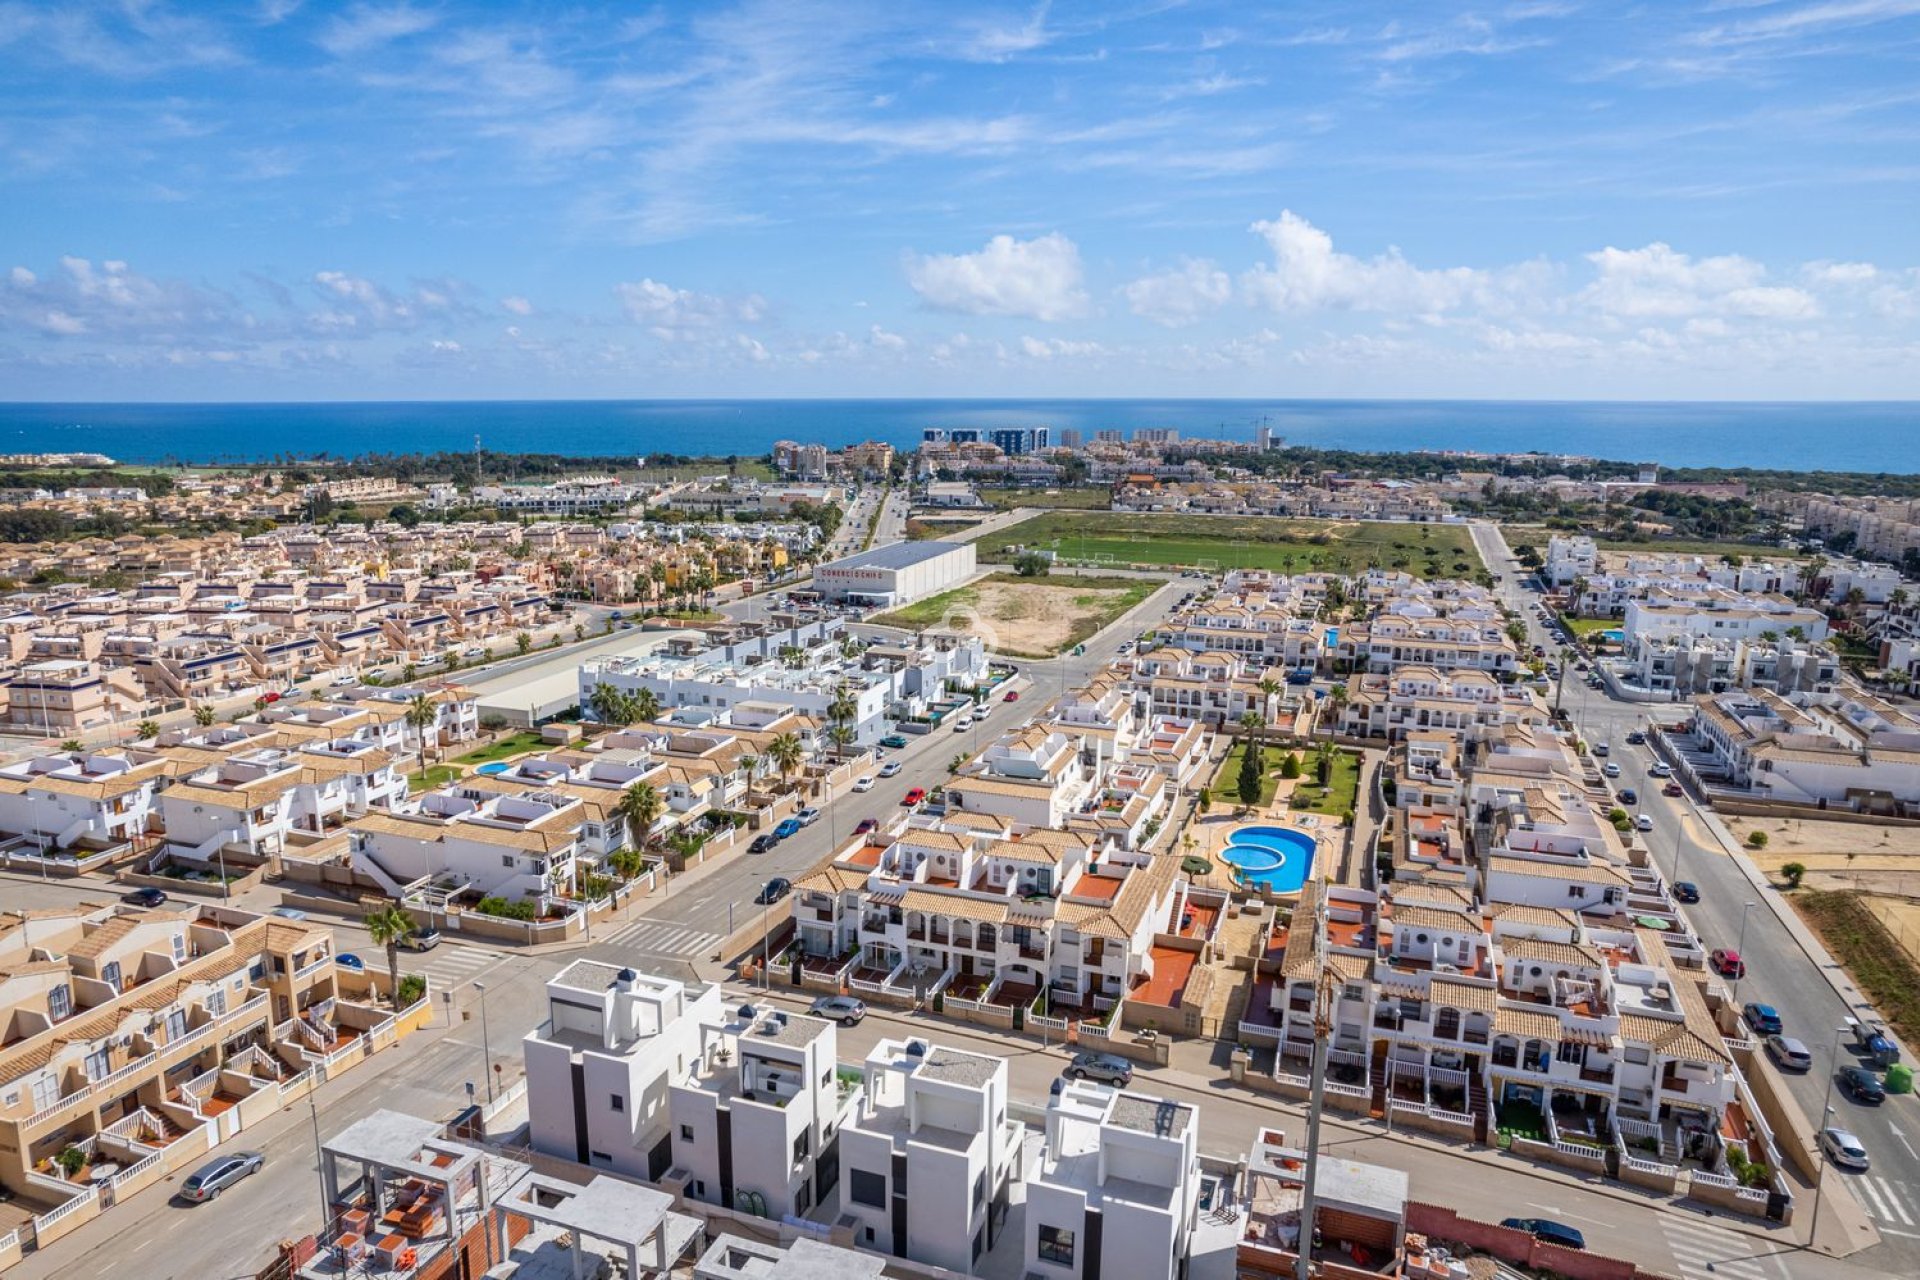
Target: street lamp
[(1740, 950), (486, 1042), (766, 937), (1826, 1113)]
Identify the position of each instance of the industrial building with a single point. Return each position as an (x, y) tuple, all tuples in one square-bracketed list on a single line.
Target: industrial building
[(895, 575)]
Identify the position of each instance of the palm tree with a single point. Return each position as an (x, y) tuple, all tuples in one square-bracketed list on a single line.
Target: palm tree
[(147, 729), (422, 714), (610, 705), (841, 737), (1324, 754), (389, 927), (522, 642), (646, 705), (752, 765), (786, 753), (72, 746), (203, 715), (641, 806)]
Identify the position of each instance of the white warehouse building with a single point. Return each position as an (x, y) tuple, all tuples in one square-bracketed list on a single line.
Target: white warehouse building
[(898, 574)]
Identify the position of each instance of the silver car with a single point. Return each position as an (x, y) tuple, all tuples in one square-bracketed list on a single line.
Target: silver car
[(215, 1176), (844, 1010), (1101, 1066), (1789, 1053), (1843, 1149)]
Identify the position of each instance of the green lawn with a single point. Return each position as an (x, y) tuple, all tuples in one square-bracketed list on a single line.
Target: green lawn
[(1285, 546), (1225, 788), (437, 775), (1094, 499), (1338, 797), (1584, 627), (500, 748), (923, 528)]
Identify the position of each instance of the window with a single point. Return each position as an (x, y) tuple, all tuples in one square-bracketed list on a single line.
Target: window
[(59, 1002), (800, 1147), (619, 1103), (864, 1187), (1056, 1245), (110, 974), (686, 1133), (217, 1002), (99, 1064), (179, 947), (1637, 1056), (176, 1025), (979, 1190), (506, 860), (1569, 1051)]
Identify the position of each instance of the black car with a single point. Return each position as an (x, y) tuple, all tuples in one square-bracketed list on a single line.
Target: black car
[(1548, 1230), (761, 844), (774, 890), (1861, 1085), (144, 897), (1636, 738), (1629, 796), (1686, 891)]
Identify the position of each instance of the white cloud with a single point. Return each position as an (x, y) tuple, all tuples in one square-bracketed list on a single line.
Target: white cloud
[(886, 341), (999, 41), (1059, 348), (1840, 273), (673, 314), (1659, 282), (1181, 296), (1038, 279), (517, 305), (366, 26), (1309, 274)]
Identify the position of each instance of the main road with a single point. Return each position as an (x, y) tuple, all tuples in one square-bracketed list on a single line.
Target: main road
[(1738, 911)]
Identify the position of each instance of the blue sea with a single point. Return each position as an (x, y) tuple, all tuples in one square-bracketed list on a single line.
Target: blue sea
[(1879, 436)]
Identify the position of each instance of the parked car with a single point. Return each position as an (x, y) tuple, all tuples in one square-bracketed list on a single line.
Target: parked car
[(1727, 964), (864, 783), (762, 843), (866, 825), (893, 741), (1686, 891), (1660, 769), (420, 940), (145, 897), (914, 796), (1789, 1054), (1012, 696), (1861, 1085), (289, 913), (1673, 790), (1642, 822), (215, 1176), (787, 827), (1843, 1149), (807, 816), (963, 724), (772, 891), (1629, 796), (844, 1010), (890, 769), (1101, 1066), (1763, 1018), (1548, 1230), (350, 962)]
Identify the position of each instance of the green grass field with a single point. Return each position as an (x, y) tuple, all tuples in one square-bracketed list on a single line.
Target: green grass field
[(921, 529), (1584, 627), (436, 775), (1095, 499), (1340, 794), (1225, 787), (500, 748), (1226, 542)]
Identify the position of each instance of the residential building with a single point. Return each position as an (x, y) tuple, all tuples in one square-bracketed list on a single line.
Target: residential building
[(1570, 557)]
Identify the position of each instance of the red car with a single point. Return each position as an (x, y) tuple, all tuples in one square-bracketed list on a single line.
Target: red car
[(1011, 697), (1727, 964), (914, 797), (866, 825), (1673, 789)]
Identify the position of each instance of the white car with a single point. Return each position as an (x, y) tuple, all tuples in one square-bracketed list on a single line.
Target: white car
[(963, 724), (1843, 1148), (1611, 769), (1641, 822), (863, 784), (890, 769), (1659, 769)]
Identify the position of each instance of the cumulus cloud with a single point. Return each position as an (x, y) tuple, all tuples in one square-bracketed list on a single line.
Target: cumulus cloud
[(356, 304), (1181, 296), (1659, 282), (886, 341), (1839, 273), (516, 305), (1308, 274), (1038, 279), (109, 299), (1058, 348), (672, 314)]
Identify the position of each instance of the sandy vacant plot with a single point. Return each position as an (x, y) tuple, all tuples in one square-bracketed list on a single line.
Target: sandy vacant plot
[(1026, 617), (1793, 836)]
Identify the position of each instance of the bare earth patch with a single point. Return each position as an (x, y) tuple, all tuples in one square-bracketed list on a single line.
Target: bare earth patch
[(1026, 617)]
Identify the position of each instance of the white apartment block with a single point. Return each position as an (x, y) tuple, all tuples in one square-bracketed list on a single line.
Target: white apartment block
[(1722, 615), (1570, 556), (756, 1118), (1681, 665), (1415, 698), (522, 844), (927, 1160), (1116, 1190), (100, 797), (601, 1068), (1842, 750)]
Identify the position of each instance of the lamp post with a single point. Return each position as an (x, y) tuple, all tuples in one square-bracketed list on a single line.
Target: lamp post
[(486, 1042), (766, 938), (1740, 951), (1826, 1111), (319, 1161)]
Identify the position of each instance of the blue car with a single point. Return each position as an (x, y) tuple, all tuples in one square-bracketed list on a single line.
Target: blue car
[(1763, 1018), (348, 960), (790, 827)]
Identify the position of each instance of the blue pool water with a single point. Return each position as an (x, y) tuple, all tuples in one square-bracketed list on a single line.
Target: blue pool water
[(1618, 637), (1276, 859), (494, 768)]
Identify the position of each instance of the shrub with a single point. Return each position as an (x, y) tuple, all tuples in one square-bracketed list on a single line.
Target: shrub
[(1290, 767), (1756, 840), (71, 1160), (1793, 872), (412, 987), (1194, 865), (498, 906)]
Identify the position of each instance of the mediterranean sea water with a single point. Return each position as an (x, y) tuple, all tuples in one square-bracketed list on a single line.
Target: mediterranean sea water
[(1876, 436)]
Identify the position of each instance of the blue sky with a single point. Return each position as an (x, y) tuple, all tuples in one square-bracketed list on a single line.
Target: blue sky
[(1564, 200)]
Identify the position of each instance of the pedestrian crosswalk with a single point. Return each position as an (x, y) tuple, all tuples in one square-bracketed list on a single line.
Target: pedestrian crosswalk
[(663, 938), (450, 964), (1889, 1203), (1703, 1251)]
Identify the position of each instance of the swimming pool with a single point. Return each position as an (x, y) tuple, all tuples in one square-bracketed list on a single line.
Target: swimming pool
[(1276, 859), (494, 768), (1617, 636)]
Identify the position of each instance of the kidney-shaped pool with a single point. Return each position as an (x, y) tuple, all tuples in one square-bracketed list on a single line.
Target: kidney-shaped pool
[(1277, 859)]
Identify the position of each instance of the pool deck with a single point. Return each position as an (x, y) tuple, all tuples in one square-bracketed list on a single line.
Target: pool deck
[(1212, 831)]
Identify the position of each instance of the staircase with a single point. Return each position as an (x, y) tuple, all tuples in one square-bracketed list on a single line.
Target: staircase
[(1477, 1105)]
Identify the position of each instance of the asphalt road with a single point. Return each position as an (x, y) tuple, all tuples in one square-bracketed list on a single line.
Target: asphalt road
[(1779, 971)]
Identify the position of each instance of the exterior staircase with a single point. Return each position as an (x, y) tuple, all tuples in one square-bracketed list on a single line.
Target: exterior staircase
[(1482, 1112)]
